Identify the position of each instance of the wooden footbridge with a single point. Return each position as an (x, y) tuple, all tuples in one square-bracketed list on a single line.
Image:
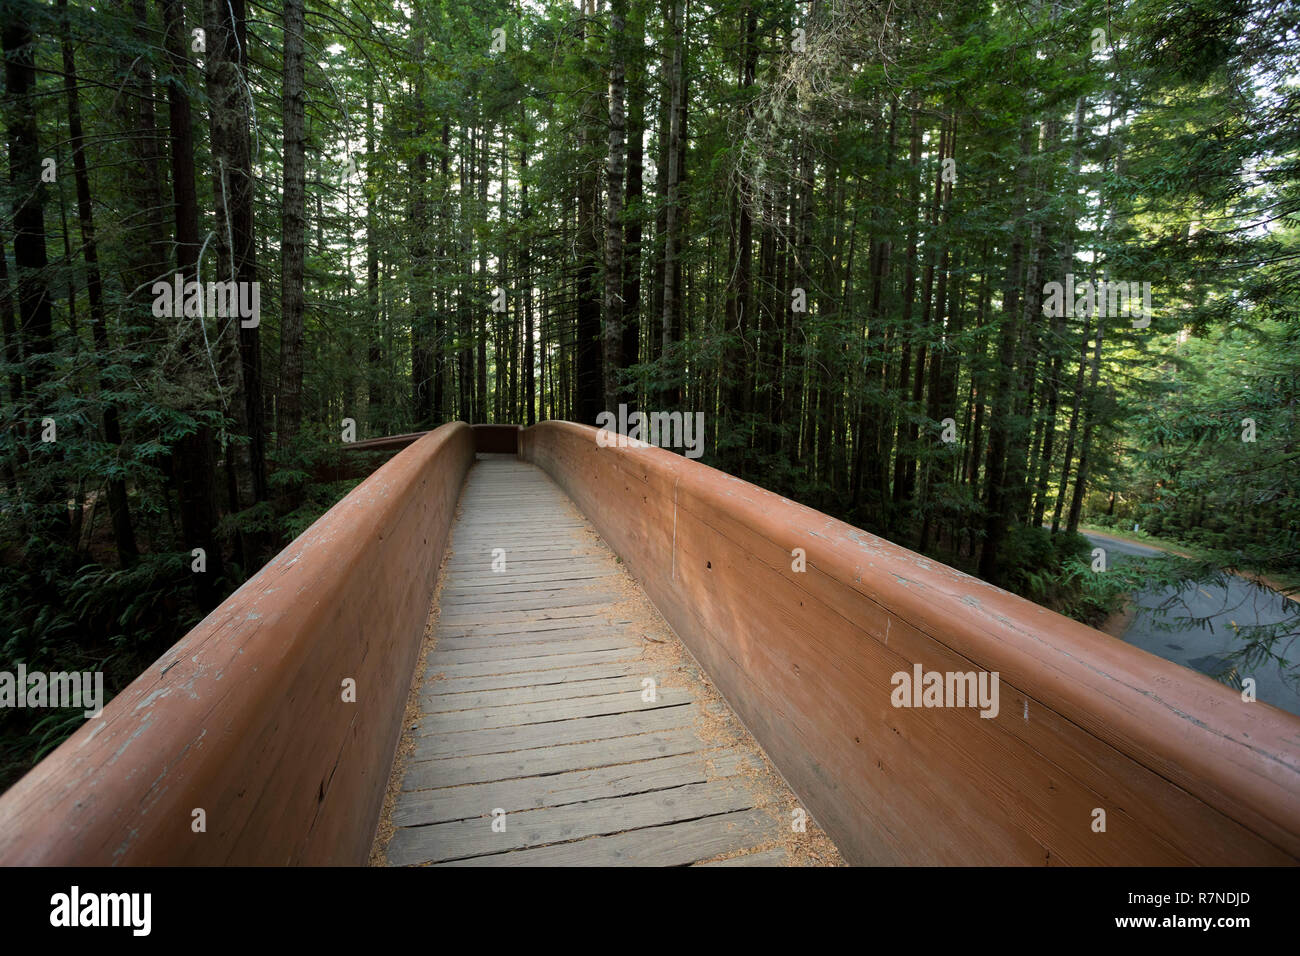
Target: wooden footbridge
[(527, 647)]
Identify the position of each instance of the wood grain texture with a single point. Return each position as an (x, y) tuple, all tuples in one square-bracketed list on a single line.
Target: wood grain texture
[(1185, 770), (583, 766), (677, 844), (245, 716)]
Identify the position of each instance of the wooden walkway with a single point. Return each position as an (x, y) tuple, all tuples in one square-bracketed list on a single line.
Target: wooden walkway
[(538, 740)]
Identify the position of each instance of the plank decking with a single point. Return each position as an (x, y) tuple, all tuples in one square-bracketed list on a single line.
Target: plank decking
[(534, 716)]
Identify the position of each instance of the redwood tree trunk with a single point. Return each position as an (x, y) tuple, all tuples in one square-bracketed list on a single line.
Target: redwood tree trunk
[(613, 304), (118, 505), (293, 219)]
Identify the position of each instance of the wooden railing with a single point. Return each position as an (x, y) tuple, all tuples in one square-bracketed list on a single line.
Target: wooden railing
[(272, 724), (1089, 732), (1099, 753)]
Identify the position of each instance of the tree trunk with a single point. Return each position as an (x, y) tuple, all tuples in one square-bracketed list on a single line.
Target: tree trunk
[(1005, 438), (632, 213), (671, 374), (145, 239), (118, 505), (236, 249), (12, 345), (293, 219), (377, 413), (526, 276), (194, 462), (35, 320), (612, 362)]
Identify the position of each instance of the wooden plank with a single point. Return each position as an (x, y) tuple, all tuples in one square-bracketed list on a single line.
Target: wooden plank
[(462, 590), (434, 689), (463, 641), (503, 739), (485, 668), (531, 627), (678, 844), (532, 544), (501, 697), (531, 577), (484, 768), (551, 636), (546, 560), (481, 552), (529, 600), (457, 619), (529, 828), (480, 556), (470, 597), (519, 651), (545, 712), (541, 519), (536, 631), (539, 630), (426, 807), (525, 627), (534, 540), (533, 592)]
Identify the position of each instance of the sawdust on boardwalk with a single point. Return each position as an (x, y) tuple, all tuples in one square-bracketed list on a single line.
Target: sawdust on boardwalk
[(673, 666), (717, 725), (406, 745)]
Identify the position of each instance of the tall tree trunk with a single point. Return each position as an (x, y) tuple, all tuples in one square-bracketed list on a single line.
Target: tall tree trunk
[(480, 365), (118, 505), (908, 334), (673, 369), (465, 315), (612, 362), (28, 218), (442, 318), (632, 212), (421, 350), (12, 345), (1089, 420), (1053, 374), (925, 332), (1071, 435), (1005, 434), (194, 460), (35, 318), (228, 93), (293, 222), (869, 463), (1107, 214), (526, 275), (145, 245), (589, 383), (375, 401)]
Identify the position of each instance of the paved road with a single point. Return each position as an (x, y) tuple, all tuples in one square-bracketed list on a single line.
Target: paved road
[(1204, 646)]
